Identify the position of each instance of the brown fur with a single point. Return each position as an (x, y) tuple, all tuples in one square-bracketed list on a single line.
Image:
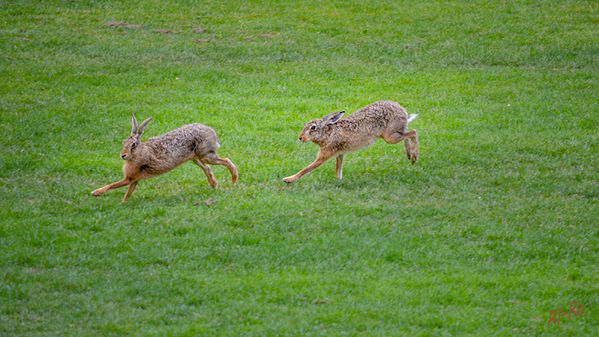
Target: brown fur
[(161, 154), (336, 137)]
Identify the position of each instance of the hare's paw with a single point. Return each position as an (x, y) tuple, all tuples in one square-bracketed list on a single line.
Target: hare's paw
[(97, 192), (413, 156), (289, 179)]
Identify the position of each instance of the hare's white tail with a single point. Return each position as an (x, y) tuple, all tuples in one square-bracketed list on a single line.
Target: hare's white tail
[(412, 117)]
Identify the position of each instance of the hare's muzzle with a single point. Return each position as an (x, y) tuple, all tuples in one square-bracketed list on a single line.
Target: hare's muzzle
[(123, 156)]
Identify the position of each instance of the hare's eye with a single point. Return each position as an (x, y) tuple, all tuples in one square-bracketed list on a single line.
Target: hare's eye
[(313, 127), (133, 145)]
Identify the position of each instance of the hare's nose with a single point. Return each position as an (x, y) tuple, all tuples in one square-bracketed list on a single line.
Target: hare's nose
[(123, 156)]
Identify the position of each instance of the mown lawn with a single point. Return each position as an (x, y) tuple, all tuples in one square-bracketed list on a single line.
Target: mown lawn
[(493, 228)]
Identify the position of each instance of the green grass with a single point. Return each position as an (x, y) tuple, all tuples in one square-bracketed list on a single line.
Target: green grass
[(493, 227)]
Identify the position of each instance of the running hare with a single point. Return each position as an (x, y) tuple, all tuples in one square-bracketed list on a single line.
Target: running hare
[(161, 154), (336, 136)]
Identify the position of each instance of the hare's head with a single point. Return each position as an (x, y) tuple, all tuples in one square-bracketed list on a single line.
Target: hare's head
[(131, 143), (315, 129)]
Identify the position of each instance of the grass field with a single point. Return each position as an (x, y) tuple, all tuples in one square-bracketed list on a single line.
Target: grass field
[(493, 228)]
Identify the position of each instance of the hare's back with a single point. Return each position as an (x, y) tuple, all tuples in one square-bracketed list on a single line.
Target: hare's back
[(192, 137), (377, 115), (380, 109)]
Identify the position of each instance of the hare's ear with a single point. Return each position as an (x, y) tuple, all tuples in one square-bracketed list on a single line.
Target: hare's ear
[(133, 125), (143, 126), (333, 117)]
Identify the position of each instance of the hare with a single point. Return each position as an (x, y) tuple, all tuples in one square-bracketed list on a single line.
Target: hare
[(337, 137), (161, 154)]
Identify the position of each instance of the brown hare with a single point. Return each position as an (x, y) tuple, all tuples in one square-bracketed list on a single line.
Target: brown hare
[(161, 154), (336, 136)]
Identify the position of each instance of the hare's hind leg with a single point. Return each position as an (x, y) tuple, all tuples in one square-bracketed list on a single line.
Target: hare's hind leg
[(214, 159), (410, 139), (411, 145), (393, 138), (211, 179)]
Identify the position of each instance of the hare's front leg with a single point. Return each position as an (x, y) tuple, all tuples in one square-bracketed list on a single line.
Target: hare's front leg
[(320, 159), (102, 190), (339, 167), (129, 191)]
